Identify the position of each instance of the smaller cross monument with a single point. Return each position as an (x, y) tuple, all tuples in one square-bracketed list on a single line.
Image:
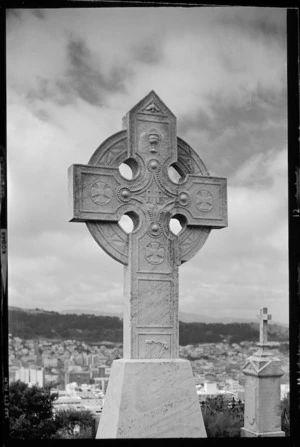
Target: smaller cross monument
[(264, 317), (262, 390)]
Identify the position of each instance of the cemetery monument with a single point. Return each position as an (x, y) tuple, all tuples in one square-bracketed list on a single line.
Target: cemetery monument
[(262, 388), (151, 392)]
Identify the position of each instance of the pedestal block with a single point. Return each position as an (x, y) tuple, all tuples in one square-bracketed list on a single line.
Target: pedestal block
[(149, 398), (245, 433), (262, 396)]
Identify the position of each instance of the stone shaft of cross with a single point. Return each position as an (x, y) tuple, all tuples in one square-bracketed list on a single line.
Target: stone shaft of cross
[(264, 317), (151, 254)]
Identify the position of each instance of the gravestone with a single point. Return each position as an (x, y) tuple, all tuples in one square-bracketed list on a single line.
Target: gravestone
[(262, 414), (151, 392)]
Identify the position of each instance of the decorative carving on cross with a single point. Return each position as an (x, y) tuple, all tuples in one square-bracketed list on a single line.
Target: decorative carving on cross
[(100, 196), (264, 317)]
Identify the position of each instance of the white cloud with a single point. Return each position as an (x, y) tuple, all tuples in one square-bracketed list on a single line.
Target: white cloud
[(206, 62)]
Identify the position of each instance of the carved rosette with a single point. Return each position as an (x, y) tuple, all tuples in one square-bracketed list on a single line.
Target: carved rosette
[(154, 165), (155, 253), (204, 200), (124, 194), (184, 199), (100, 193)]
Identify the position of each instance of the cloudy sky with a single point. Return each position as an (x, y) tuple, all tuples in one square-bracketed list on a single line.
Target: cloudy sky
[(72, 74)]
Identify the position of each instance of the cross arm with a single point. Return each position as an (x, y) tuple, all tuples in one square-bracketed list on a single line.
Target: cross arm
[(203, 201), (95, 193)]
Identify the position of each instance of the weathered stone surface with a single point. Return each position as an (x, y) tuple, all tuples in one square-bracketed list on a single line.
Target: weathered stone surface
[(99, 195), (151, 254), (245, 433), (262, 406), (263, 317), (151, 399), (262, 415)]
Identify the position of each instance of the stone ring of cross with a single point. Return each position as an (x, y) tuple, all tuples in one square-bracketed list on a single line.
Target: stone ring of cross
[(110, 235), (149, 146)]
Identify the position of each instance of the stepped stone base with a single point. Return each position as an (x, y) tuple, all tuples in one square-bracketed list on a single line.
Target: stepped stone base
[(245, 433), (151, 398)]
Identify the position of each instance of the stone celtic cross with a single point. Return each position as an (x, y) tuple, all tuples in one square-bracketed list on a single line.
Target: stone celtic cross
[(100, 196), (264, 317)]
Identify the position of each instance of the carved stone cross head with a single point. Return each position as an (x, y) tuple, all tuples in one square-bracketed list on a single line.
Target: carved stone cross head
[(264, 317), (100, 196)]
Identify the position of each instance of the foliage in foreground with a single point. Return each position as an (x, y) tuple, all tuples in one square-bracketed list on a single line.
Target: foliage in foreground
[(285, 415), (31, 416), (30, 412), (222, 420), (74, 424)]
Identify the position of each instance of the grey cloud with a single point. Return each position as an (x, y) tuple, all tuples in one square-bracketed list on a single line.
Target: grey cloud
[(201, 121), (42, 115), (268, 28), (18, 13), (84, 80), (231, 132), (268, 22), (148, 52), (41, 91), (35, 96), (13, 13), (81, 80), (39, 13), (259, 107), (65, 93)]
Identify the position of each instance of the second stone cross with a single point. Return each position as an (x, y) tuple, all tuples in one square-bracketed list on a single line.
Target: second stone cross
[(152, 253)]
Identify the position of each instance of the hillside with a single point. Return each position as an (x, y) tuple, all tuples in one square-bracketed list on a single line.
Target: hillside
[(185, 317), (37, 323)]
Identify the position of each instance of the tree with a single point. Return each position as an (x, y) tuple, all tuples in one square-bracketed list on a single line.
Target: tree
[(31, 412)]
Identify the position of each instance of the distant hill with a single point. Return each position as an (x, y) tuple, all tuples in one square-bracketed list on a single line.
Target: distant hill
[(79, 311), (200, 318), (38, 323), (185, 317)]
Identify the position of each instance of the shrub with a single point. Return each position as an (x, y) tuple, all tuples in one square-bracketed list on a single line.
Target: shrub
[(285, 415), (223, 417), (74, 424)]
